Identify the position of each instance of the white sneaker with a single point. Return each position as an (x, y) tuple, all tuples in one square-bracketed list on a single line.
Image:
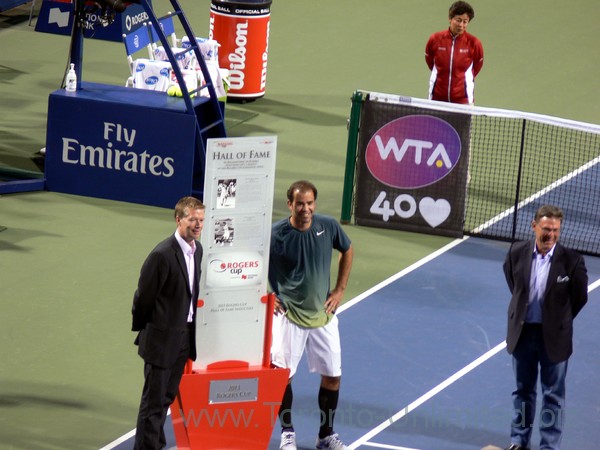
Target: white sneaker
[(288, 441), (331, 442)]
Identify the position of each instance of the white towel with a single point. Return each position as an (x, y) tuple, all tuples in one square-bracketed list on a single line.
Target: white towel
[(209, 48), (216, 75), (151, 75), (186, 60), (190, 77)]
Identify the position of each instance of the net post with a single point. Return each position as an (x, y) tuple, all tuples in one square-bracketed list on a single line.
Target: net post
[(519, 174), (353, 126)]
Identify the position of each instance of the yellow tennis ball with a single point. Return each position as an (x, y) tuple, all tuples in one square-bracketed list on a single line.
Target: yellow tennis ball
[(178, 92), (172, 91)]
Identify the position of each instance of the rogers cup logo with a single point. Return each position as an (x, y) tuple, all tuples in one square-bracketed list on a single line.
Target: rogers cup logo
[(235, 269), (413, 152)]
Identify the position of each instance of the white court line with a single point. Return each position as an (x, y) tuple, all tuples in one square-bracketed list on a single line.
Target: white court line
[(537, 195), (400, 274), (418, 402), (125, 437), (390, 447), (120, 440), (436, 390), (594, 285)]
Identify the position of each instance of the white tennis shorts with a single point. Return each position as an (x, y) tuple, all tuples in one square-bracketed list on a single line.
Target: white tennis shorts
[(322, 345)]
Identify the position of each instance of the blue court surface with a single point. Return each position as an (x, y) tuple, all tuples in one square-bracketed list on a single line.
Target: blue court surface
[(583, 179), (425, 365)]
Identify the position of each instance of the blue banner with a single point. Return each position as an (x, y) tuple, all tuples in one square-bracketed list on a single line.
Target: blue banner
[(57, 17)]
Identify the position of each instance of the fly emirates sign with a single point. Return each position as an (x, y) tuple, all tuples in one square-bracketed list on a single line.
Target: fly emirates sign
[(116, 153), (124, 151)]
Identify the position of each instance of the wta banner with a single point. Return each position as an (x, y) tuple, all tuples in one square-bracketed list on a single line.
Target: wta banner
[(412, 168)]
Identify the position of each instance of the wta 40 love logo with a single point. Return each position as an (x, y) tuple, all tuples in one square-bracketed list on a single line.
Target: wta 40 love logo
[(405, 206)]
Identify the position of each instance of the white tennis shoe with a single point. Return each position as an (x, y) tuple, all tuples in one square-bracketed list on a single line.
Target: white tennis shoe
[(288, 441), (331, 442)]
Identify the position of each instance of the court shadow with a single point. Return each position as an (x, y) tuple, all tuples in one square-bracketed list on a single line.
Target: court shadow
[(49, 416), (296, 112)]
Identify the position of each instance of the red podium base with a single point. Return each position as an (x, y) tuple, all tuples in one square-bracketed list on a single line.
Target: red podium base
[(228, 406)]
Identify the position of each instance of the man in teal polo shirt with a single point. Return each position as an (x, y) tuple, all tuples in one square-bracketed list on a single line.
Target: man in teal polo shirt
[(300, 261)]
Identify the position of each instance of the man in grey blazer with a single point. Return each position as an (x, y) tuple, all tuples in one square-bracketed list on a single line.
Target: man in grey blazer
[(164, 314), (548, 283)]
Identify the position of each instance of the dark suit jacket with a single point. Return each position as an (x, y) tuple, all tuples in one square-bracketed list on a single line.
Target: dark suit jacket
[(161, 304), (565, 295)]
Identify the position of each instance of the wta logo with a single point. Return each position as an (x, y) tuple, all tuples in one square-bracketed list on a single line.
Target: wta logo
[(413, 152)]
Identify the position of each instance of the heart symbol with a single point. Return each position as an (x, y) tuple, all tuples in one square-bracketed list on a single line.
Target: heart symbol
[(434, 211)]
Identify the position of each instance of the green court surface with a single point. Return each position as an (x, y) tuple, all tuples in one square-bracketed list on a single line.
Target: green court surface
[(70, 377)]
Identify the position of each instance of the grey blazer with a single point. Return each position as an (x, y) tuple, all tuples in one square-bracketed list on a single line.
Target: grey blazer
[(565, 295)]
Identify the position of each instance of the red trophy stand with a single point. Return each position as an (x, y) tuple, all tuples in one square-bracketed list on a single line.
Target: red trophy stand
[(230, 404)]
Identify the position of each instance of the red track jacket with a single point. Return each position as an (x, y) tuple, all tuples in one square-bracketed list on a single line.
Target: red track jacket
[(454, 63)]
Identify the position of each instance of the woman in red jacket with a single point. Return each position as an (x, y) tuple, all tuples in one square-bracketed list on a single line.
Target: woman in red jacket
[(454, 57)]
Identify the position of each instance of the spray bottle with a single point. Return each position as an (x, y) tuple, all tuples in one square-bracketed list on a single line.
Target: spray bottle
[(71, 81)]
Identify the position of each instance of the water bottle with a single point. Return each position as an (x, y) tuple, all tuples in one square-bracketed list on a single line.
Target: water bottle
[(71, 81)]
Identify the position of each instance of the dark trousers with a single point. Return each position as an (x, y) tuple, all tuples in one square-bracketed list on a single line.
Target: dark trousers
[(529, 360), (160, 388)]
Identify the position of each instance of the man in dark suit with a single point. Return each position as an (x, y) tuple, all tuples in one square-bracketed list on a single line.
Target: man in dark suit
[(548, 283), (164, 313)]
